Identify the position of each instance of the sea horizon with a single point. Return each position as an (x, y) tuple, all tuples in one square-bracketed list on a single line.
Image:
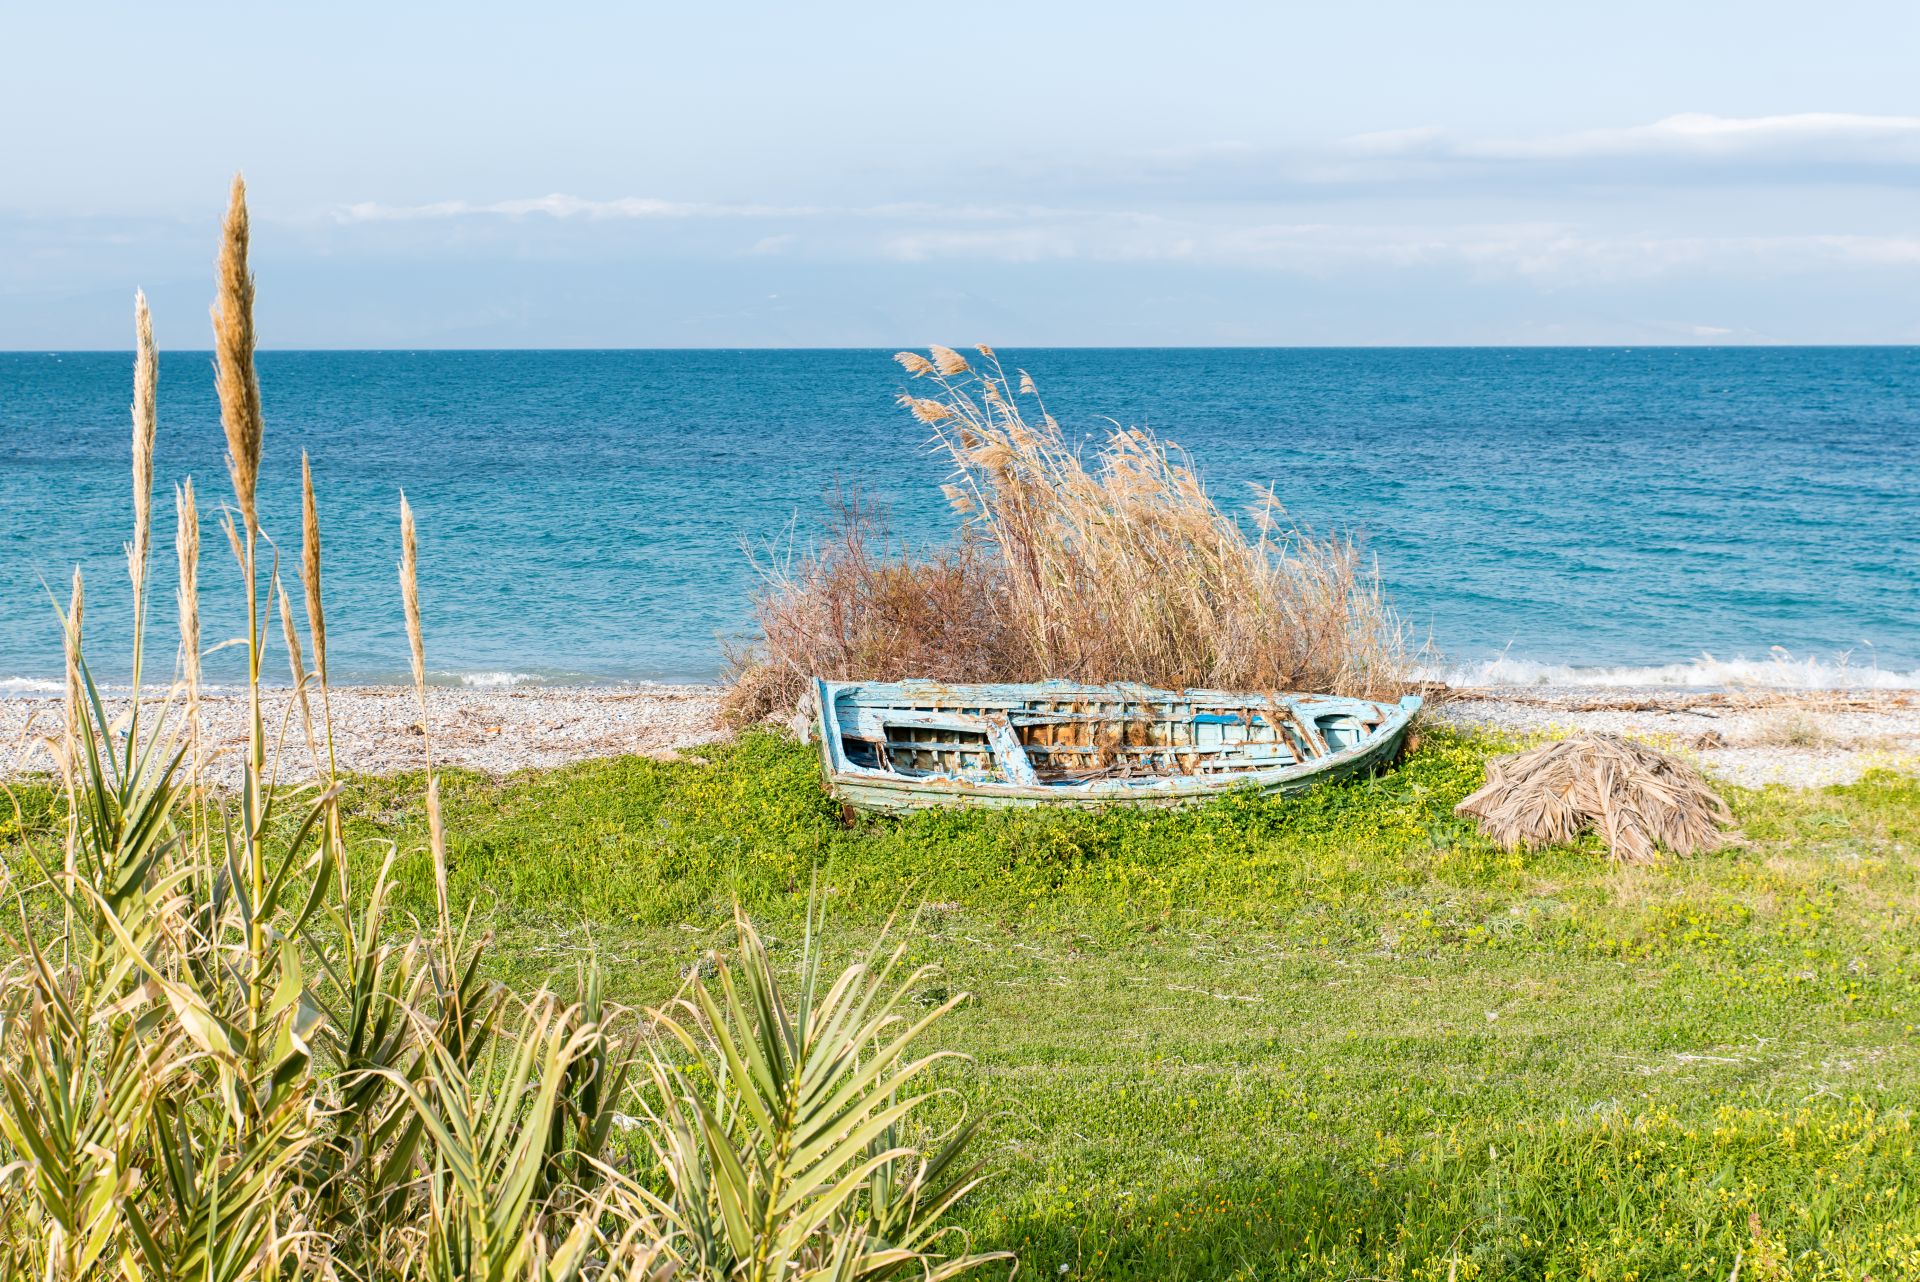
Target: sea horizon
[(405, 349)]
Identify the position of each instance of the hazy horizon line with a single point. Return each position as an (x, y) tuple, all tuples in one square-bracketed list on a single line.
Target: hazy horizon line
[(1048, 347)]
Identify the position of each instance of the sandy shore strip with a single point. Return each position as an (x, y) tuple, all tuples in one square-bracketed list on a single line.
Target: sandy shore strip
[(1752, 737)]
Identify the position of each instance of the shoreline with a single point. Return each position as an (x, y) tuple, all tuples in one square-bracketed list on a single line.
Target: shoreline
[(494, 730), (1752, 737)]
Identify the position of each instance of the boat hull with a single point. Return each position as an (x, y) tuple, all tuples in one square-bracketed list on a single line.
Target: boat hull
[(1171, 733)]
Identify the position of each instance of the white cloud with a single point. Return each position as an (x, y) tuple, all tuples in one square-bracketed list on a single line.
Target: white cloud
[(563, 206), (1817, 136), (1545, 254), (1232, 205), (1218, 234)]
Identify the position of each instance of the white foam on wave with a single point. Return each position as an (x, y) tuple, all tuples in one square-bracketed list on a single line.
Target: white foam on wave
[(30, 685), (493, 680), (1781, 671)]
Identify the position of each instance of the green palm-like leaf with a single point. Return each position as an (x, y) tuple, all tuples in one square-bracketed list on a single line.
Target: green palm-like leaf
[(774, 1174)]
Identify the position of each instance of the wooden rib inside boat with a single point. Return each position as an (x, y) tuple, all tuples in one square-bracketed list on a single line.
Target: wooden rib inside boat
[(894, 746)]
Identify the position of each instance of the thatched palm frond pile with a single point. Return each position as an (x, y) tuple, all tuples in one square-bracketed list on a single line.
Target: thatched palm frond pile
[(1638, 799)]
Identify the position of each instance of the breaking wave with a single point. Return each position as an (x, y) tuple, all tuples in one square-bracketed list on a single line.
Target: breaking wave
[(1781, 671), (494, 680)]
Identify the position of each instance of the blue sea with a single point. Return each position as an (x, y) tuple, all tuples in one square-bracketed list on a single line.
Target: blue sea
[(1686, 516)]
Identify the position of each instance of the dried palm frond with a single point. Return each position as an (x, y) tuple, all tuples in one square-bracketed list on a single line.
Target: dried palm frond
[(1639, 800)]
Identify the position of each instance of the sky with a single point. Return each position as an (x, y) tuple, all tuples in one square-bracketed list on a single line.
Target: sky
[(719, 175)]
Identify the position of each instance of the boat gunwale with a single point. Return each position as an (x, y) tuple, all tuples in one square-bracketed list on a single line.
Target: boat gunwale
[(1392, 728)]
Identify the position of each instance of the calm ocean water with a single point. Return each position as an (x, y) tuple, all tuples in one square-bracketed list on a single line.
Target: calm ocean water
[(583, 514)]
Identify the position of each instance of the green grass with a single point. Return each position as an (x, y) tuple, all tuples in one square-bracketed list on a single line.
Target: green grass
[(1337, 1036)]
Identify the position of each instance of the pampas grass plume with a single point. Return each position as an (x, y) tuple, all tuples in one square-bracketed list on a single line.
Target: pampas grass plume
[(186, 542), (948, 361), (146, 376), (927, 411), (410, 599), (234, 375), (310, 567)]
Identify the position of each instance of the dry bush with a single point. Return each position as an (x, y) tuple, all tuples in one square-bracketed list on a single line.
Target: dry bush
[(1789, 728), (1118, 567), (862, 607)]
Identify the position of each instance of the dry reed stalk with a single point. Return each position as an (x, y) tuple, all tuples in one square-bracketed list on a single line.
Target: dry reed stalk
[(76, 691), (70, 741), (238, 386), (1638, 799), (310, 568), (235, 378), (410, 601), (146, 377), (437, 842), (316, 610), (436, 829), (186, 542), (297, 663)]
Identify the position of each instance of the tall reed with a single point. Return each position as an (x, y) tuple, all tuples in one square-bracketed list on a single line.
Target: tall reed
[(146, 379), (229, 1060), (1118, 566), (186, 543)]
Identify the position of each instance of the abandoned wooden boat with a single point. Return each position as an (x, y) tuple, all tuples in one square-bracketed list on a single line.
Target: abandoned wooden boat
[(899, 746)]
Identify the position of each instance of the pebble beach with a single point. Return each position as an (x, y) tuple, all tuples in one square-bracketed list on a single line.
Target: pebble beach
[(377, 729), (1797, 738), (1755, 737)]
